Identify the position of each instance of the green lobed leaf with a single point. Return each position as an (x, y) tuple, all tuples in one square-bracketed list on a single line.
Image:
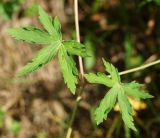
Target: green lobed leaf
[(106, 105), (134, 89), (117, 91), (75, 48), (54, 39), (126, 108), (68, 69), (99, 78), (30, 34), (43, 56), (56, 44)]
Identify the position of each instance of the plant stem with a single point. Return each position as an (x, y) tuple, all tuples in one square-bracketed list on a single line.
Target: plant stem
[(139, 68), (69, 131), (112, 127), (78, 99), (78, 36)]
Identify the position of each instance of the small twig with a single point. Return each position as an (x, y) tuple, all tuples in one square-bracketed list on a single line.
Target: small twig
[(139, 68), (69, 131), (78, 36)]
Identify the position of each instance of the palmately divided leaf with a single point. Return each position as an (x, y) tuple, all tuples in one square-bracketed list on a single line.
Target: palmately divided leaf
[(68, 67), (126, 108), (53, 38), (75, 48), (43, 56), (106, 105), (99, 78), (134, 89), (118, 91), (30, 34)]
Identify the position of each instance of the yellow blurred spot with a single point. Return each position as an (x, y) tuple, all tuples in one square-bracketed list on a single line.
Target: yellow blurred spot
[(136, 104)]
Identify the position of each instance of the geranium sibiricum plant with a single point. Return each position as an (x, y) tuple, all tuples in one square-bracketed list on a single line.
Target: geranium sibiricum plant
[(56, 45), (52, 37)]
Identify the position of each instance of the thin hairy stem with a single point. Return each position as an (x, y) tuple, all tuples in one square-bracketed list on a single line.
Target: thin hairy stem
[(69, 131), (78, 36), (139, 68), (78, 99)]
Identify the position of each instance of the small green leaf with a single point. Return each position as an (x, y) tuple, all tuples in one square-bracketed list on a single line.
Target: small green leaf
[(68, 67), (44, 56), (133, 89), (99, 78), (75, 48), (46, 21), (30, 34), (126, 109), (106, 105)]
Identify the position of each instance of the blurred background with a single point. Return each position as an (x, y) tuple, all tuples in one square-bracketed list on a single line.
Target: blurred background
[(124, 32)]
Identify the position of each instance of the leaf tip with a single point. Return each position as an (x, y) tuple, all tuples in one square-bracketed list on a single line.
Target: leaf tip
[(56, 18), (73, 91), (98, 122), (134, 129), (150, 96), (40, 8), (103, 60)]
